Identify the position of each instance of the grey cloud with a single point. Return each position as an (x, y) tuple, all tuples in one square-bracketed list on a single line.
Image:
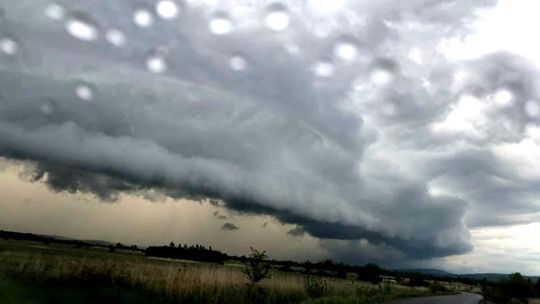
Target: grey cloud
[(219, 216), (229, 227), (297, 232), (343, 158)]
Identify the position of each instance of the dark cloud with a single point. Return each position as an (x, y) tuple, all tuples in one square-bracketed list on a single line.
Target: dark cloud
[(367, 156), (229, 227), (297, 232), (219, 216)]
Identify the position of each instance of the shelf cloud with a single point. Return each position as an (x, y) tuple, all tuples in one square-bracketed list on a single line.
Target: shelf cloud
[(351, 124)]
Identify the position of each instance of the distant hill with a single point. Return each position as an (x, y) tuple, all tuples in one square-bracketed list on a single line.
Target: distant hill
[(51, 238), (428, 271), (98, 242), (493, 277)]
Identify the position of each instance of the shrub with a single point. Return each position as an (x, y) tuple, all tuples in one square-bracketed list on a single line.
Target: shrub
[(257, 266), (515, 289), (437, 287)]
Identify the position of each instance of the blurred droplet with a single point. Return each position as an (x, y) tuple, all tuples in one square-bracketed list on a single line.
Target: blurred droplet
[(46, 109), (532, 108), (9, 46), (55, 11), (503, 97), (277, 17), (220, 24), (155, 62), (381, 76), (323, 69), (82, 27), (238, 63), (292, 49), (416, 55), (143, 17), (84, 92), (116, 37), (167, 9), (346, 50)]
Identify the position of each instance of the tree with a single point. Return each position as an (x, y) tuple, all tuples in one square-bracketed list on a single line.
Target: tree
[(257, 266), (171, 245), (370, 273)]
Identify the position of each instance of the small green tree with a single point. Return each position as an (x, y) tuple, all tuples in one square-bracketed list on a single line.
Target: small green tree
[(257, 266)]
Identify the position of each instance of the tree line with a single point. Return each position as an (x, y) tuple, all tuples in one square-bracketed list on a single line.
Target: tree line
[(187, 252)]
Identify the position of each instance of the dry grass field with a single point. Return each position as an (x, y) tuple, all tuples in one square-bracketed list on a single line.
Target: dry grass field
[(32, 272)]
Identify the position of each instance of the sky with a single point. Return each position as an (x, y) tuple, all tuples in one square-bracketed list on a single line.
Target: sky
[(404, 133)]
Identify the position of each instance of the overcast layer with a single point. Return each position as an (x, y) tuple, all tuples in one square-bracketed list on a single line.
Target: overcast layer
[(349, 121)]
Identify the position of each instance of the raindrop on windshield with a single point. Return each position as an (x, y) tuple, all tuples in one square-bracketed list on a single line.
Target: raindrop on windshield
[(84, 92), (346, 50), (277, 17), (167, 9), (238, 63), (381, 76), (156, 62), (323, 69), (143, 17), (220, 24), (55, 11), (82, 27), (532, 108), (503, 97), (116, 37), (8, 46)]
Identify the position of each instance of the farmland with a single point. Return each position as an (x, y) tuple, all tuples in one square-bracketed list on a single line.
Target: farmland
[(38, 272)]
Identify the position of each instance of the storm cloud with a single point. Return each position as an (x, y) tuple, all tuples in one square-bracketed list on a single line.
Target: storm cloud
[(229, 227), (349, 123)]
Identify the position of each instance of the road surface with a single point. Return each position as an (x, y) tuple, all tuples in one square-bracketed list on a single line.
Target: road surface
[(464, 298)]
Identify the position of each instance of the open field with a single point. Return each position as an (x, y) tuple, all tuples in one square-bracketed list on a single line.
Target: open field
[(33, 272)]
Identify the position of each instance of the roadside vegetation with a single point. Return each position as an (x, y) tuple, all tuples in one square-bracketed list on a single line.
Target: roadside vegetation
[(516, 289), (48, 272)]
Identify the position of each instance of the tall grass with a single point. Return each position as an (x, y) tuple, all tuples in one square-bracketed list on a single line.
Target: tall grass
[(168, 281)]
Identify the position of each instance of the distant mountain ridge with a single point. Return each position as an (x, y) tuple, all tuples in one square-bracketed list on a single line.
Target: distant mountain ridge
[(493, 277)]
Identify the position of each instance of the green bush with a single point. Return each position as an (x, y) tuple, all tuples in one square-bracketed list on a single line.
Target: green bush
[(437, 288)]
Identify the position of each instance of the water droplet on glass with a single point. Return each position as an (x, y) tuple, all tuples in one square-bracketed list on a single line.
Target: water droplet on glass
[(46, 109), (238, 63), (116, 37), (84, 92), (167, 9), (416, 55), (292, 49), (82, 27), (532, 108), (55, 11), (277, 17), (8, 46), (381, 76), (220, 24), (346, 50), (323, 69), (156, 62), (503, 97), (143, 17)]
